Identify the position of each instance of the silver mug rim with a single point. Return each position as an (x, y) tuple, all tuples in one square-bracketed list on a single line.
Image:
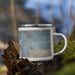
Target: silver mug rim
[(36, 25)]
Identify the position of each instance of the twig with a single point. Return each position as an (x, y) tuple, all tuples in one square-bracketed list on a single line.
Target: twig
[(12, 8), (62, 13), (51, 19), (37, 14), (69, 16)]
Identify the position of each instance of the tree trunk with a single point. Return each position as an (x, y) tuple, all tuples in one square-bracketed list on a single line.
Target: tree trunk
[(22, 66)]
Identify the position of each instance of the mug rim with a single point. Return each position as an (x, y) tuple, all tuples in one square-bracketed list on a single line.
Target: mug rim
[(36, 25)]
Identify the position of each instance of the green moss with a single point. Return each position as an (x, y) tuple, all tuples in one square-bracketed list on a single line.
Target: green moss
[(72, 36), (67, 70), (69, 54)]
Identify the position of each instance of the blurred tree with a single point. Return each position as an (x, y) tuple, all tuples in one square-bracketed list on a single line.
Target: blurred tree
[(13, 19), (4, 3), (51, 19), (62, 13), (20, 3), (37, 14), (69, 17), (72, 36)]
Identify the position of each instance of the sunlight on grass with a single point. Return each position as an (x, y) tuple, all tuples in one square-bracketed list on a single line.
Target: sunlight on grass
[(3, 70)]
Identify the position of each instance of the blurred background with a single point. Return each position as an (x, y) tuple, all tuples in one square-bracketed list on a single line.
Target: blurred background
[(17, 12)]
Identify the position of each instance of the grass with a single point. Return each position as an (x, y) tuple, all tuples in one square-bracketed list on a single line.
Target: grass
[(3, 70), (68, 69)]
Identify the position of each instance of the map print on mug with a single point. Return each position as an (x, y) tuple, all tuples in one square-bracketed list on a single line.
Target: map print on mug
[(35, 43)]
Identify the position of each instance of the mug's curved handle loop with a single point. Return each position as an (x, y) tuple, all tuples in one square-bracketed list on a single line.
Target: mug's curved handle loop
[(59, 34)]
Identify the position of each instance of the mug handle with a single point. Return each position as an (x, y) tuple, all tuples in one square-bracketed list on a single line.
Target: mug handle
[(59, 34)]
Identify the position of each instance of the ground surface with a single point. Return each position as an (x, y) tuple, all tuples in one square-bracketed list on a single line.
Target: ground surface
[(3, 70)]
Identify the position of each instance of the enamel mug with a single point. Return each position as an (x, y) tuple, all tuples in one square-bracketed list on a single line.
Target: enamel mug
[(36, 42)]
